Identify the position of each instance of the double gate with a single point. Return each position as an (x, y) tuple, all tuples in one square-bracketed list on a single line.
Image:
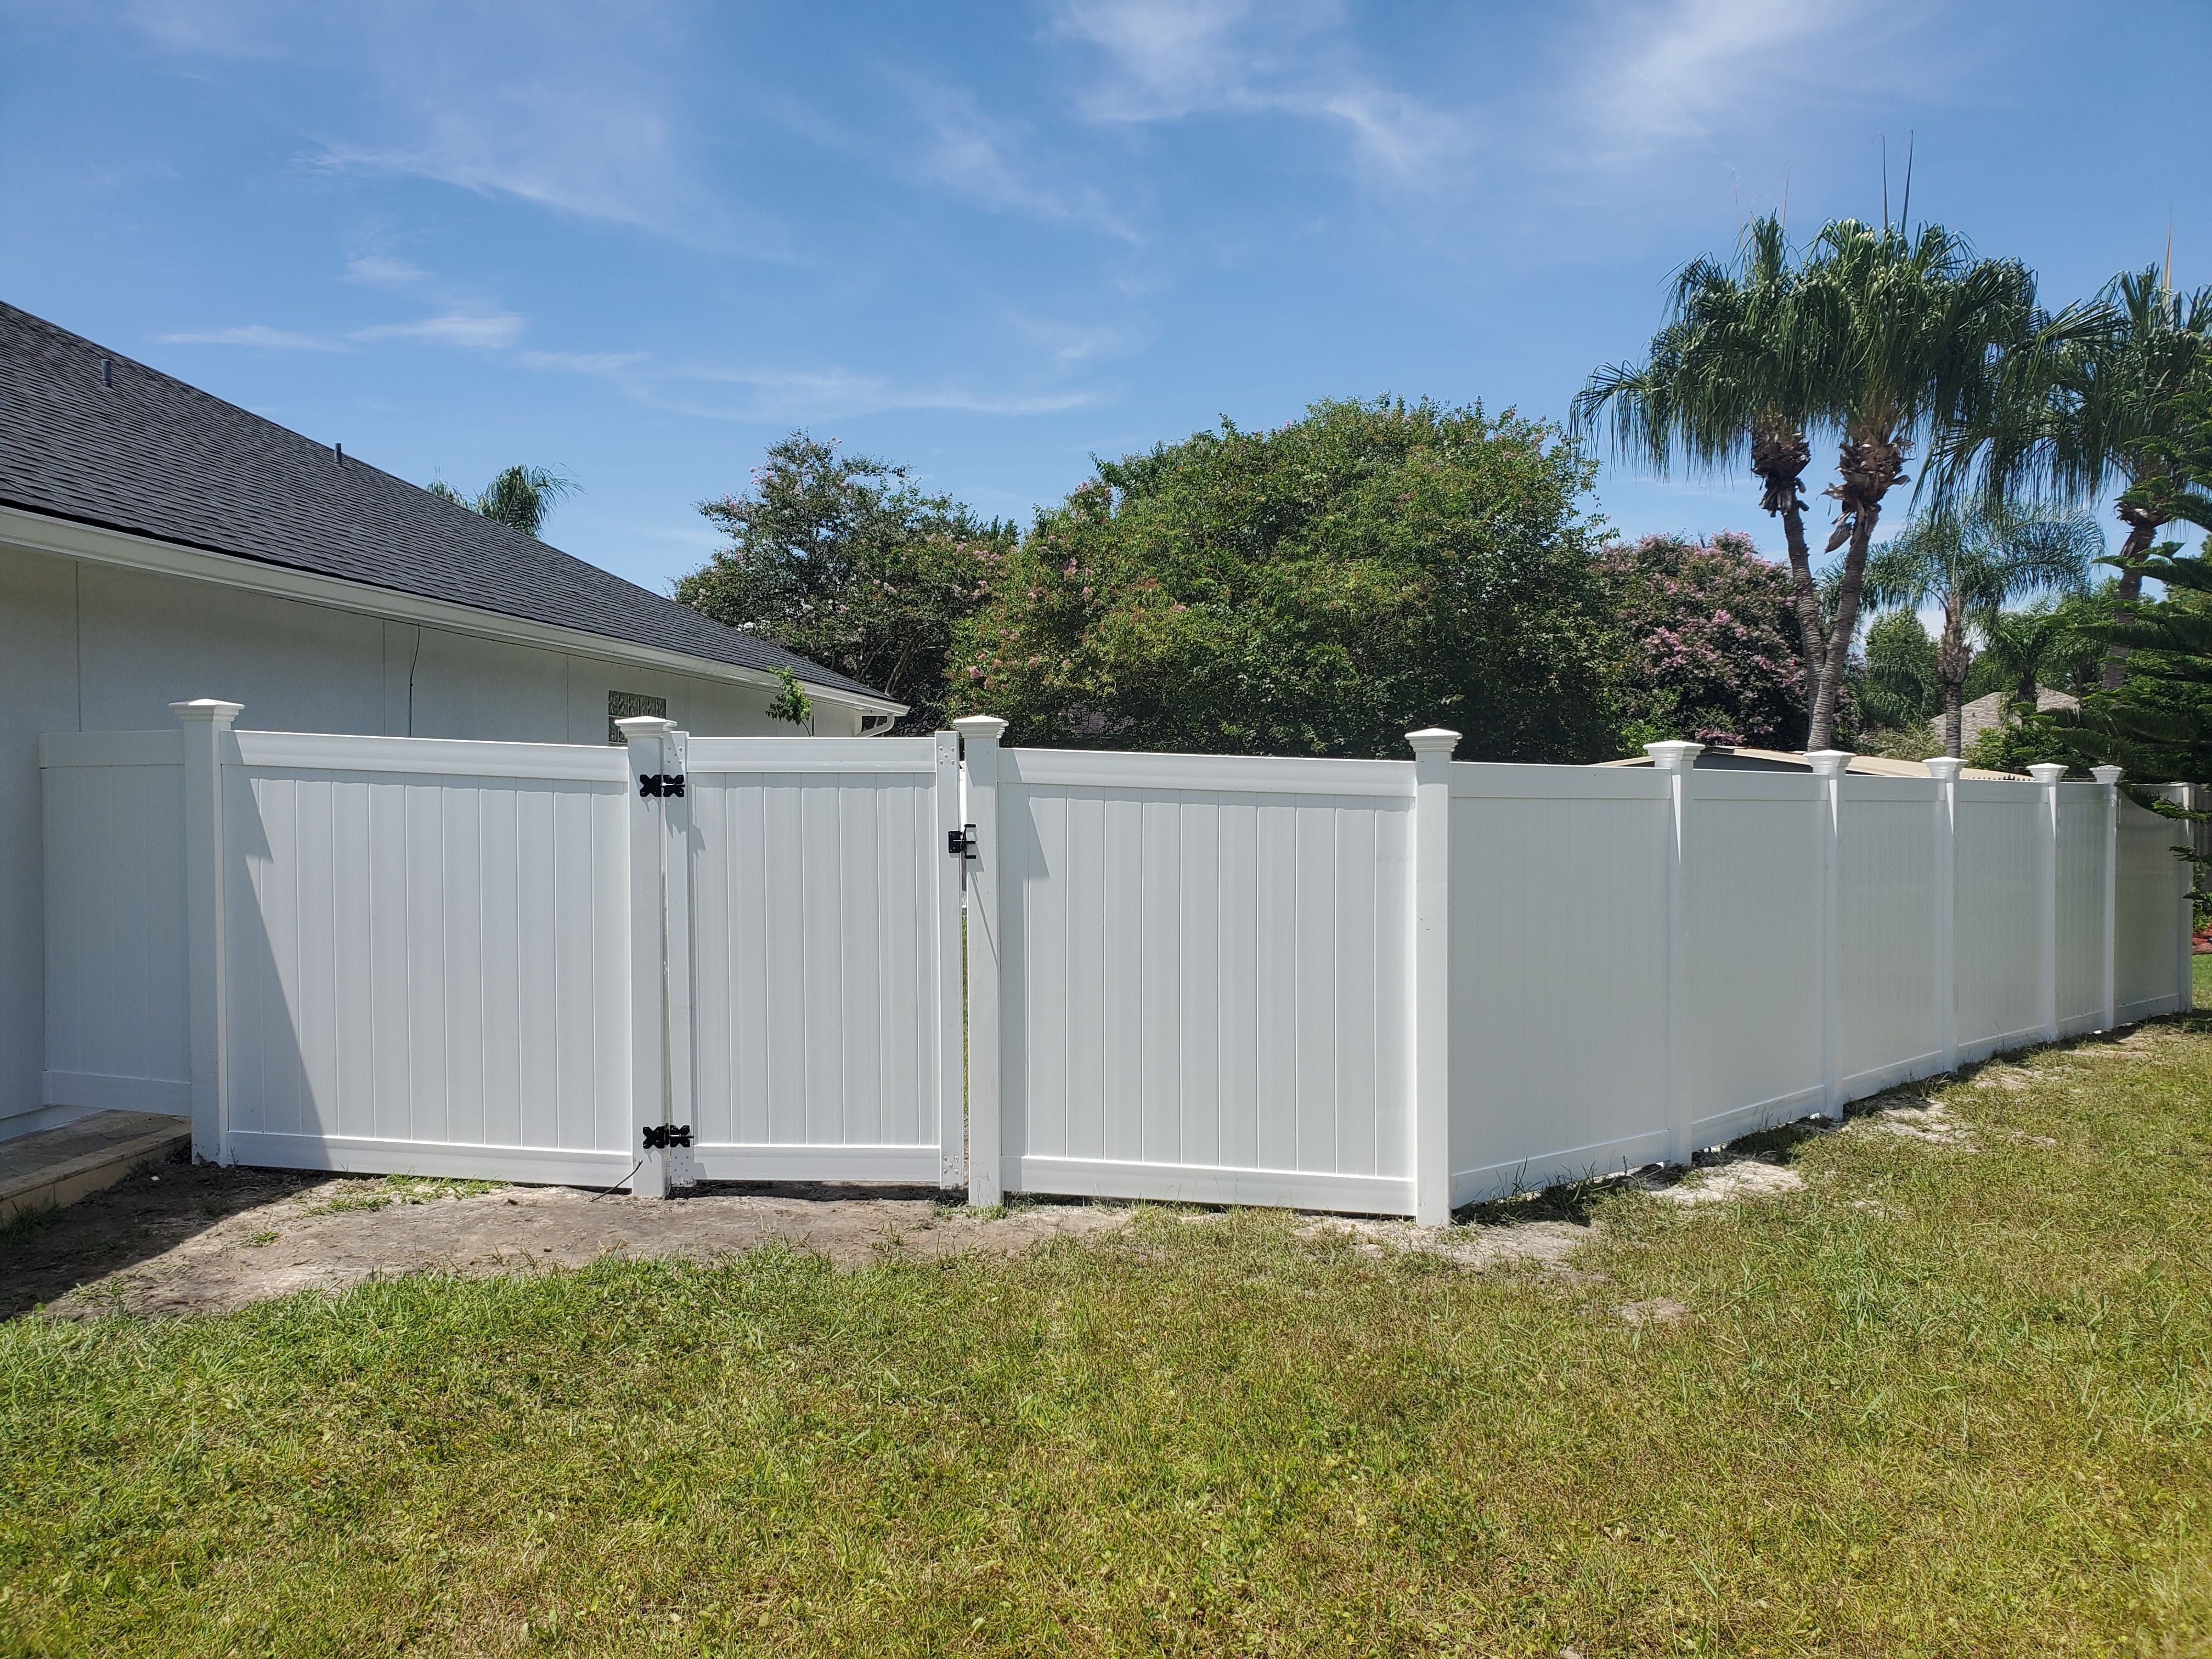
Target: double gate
[(522, 961)]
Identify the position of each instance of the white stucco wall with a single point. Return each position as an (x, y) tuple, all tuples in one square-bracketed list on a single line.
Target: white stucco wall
[(86, 646)]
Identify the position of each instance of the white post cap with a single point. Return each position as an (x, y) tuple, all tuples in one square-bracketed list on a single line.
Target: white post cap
[(2048, 772), (644, 725), (1432, 740), (2107, 775), (1676, 756), (980, 728), (1944, 769), (1830, 763), (207, 708)]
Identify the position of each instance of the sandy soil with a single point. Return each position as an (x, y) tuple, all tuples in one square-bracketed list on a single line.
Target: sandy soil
[(180, 1238)]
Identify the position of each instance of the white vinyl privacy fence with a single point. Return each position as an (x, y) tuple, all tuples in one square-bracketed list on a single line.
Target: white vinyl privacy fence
[(1390, 987)]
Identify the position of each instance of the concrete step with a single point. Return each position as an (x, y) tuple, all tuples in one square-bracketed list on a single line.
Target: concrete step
[(54, 1167)]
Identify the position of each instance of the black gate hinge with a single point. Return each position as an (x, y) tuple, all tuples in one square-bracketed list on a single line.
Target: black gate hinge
[(650, 784), (660, 1136)]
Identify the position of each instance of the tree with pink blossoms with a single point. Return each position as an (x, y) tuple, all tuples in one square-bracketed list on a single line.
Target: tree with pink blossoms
[(1714, 651)]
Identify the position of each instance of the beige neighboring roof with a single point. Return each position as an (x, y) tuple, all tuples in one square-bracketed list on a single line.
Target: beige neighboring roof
[(1984, 713), (1867, 765)]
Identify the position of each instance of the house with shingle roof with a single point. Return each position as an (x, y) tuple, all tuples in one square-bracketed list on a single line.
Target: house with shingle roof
[(159, 544)]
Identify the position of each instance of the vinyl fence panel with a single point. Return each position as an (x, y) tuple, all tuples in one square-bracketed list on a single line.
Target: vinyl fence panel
[(1203, 977), (424, 956), (1559, 974), (2000, 866), (117, 1004), (1753, 933), (1891, 986), (2151, 945), (2080, 908)]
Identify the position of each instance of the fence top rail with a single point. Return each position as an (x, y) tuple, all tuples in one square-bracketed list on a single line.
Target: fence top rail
[(1757, 785), (1512, 780), (112, 748), (1862, 787), (317, 751), (2000, 792), (799, 755), (1387, 780)]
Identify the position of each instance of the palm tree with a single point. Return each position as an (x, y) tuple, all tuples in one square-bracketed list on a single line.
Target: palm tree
[(1973, 563), (1718, 386), (2025, 647), (2099, 415), (1875, 335), (521, 497), (1897, 336)]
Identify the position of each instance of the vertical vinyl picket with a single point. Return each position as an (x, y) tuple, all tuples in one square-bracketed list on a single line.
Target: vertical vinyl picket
[(980, 735)]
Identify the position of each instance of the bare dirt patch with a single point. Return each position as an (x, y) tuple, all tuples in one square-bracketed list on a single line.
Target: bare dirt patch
[(1917, 1118), (1656, 1310), (1546, 1244), (1726, 1180), (190, 1239)]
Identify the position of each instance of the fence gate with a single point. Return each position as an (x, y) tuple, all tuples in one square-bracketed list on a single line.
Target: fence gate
[(804, 976)]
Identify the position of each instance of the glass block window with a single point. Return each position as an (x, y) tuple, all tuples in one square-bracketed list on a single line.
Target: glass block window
[(627, 705)]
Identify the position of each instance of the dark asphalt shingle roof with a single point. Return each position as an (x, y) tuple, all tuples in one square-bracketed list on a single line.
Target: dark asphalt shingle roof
[(156, 457)]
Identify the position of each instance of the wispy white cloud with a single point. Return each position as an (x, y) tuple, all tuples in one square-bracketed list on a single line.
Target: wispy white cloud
[(1170, 59), (258, 334), (382, 268), (1676, 71), (581, 362), (998, 163), (475, 331), (804, 395)]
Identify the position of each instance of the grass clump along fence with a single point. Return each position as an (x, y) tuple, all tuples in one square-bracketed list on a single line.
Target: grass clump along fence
[(1949, 1396)]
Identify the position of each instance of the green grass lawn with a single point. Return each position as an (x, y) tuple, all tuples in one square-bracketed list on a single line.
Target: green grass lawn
[(1948, 1399)]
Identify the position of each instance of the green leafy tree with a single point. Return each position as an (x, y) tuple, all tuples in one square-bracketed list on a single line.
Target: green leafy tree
[(1876, 337), (2101, 412), (521, 497), (844, 560), (1319, 589), (1712, 643), (1973, 562)]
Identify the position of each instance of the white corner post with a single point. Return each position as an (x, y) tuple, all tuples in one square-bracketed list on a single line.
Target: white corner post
[(2108, 779), (1678, 761), (979, 736), (207, 724), (952, 1008), (1945, 769), (1432, 1011), (2047, 778), (2183, 795), (1830, 766), (660, 949)]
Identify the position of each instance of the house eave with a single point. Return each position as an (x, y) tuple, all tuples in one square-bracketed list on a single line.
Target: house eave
[(71, 538)]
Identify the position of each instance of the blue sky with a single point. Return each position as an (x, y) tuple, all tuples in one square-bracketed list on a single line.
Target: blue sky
[(641, 242)]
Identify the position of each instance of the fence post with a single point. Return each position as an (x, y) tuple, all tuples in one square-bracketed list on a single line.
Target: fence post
[(1945, 769), (980, 735), (207, 723), (1678, 760), (1829, 765), (952, 1007), (650, 1098), (2047, 777), (1433, 1150), (2109, 777)]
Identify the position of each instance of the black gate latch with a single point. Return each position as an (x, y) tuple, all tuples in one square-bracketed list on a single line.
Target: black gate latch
[(650, 784), (961, 843), (660, 1136)]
